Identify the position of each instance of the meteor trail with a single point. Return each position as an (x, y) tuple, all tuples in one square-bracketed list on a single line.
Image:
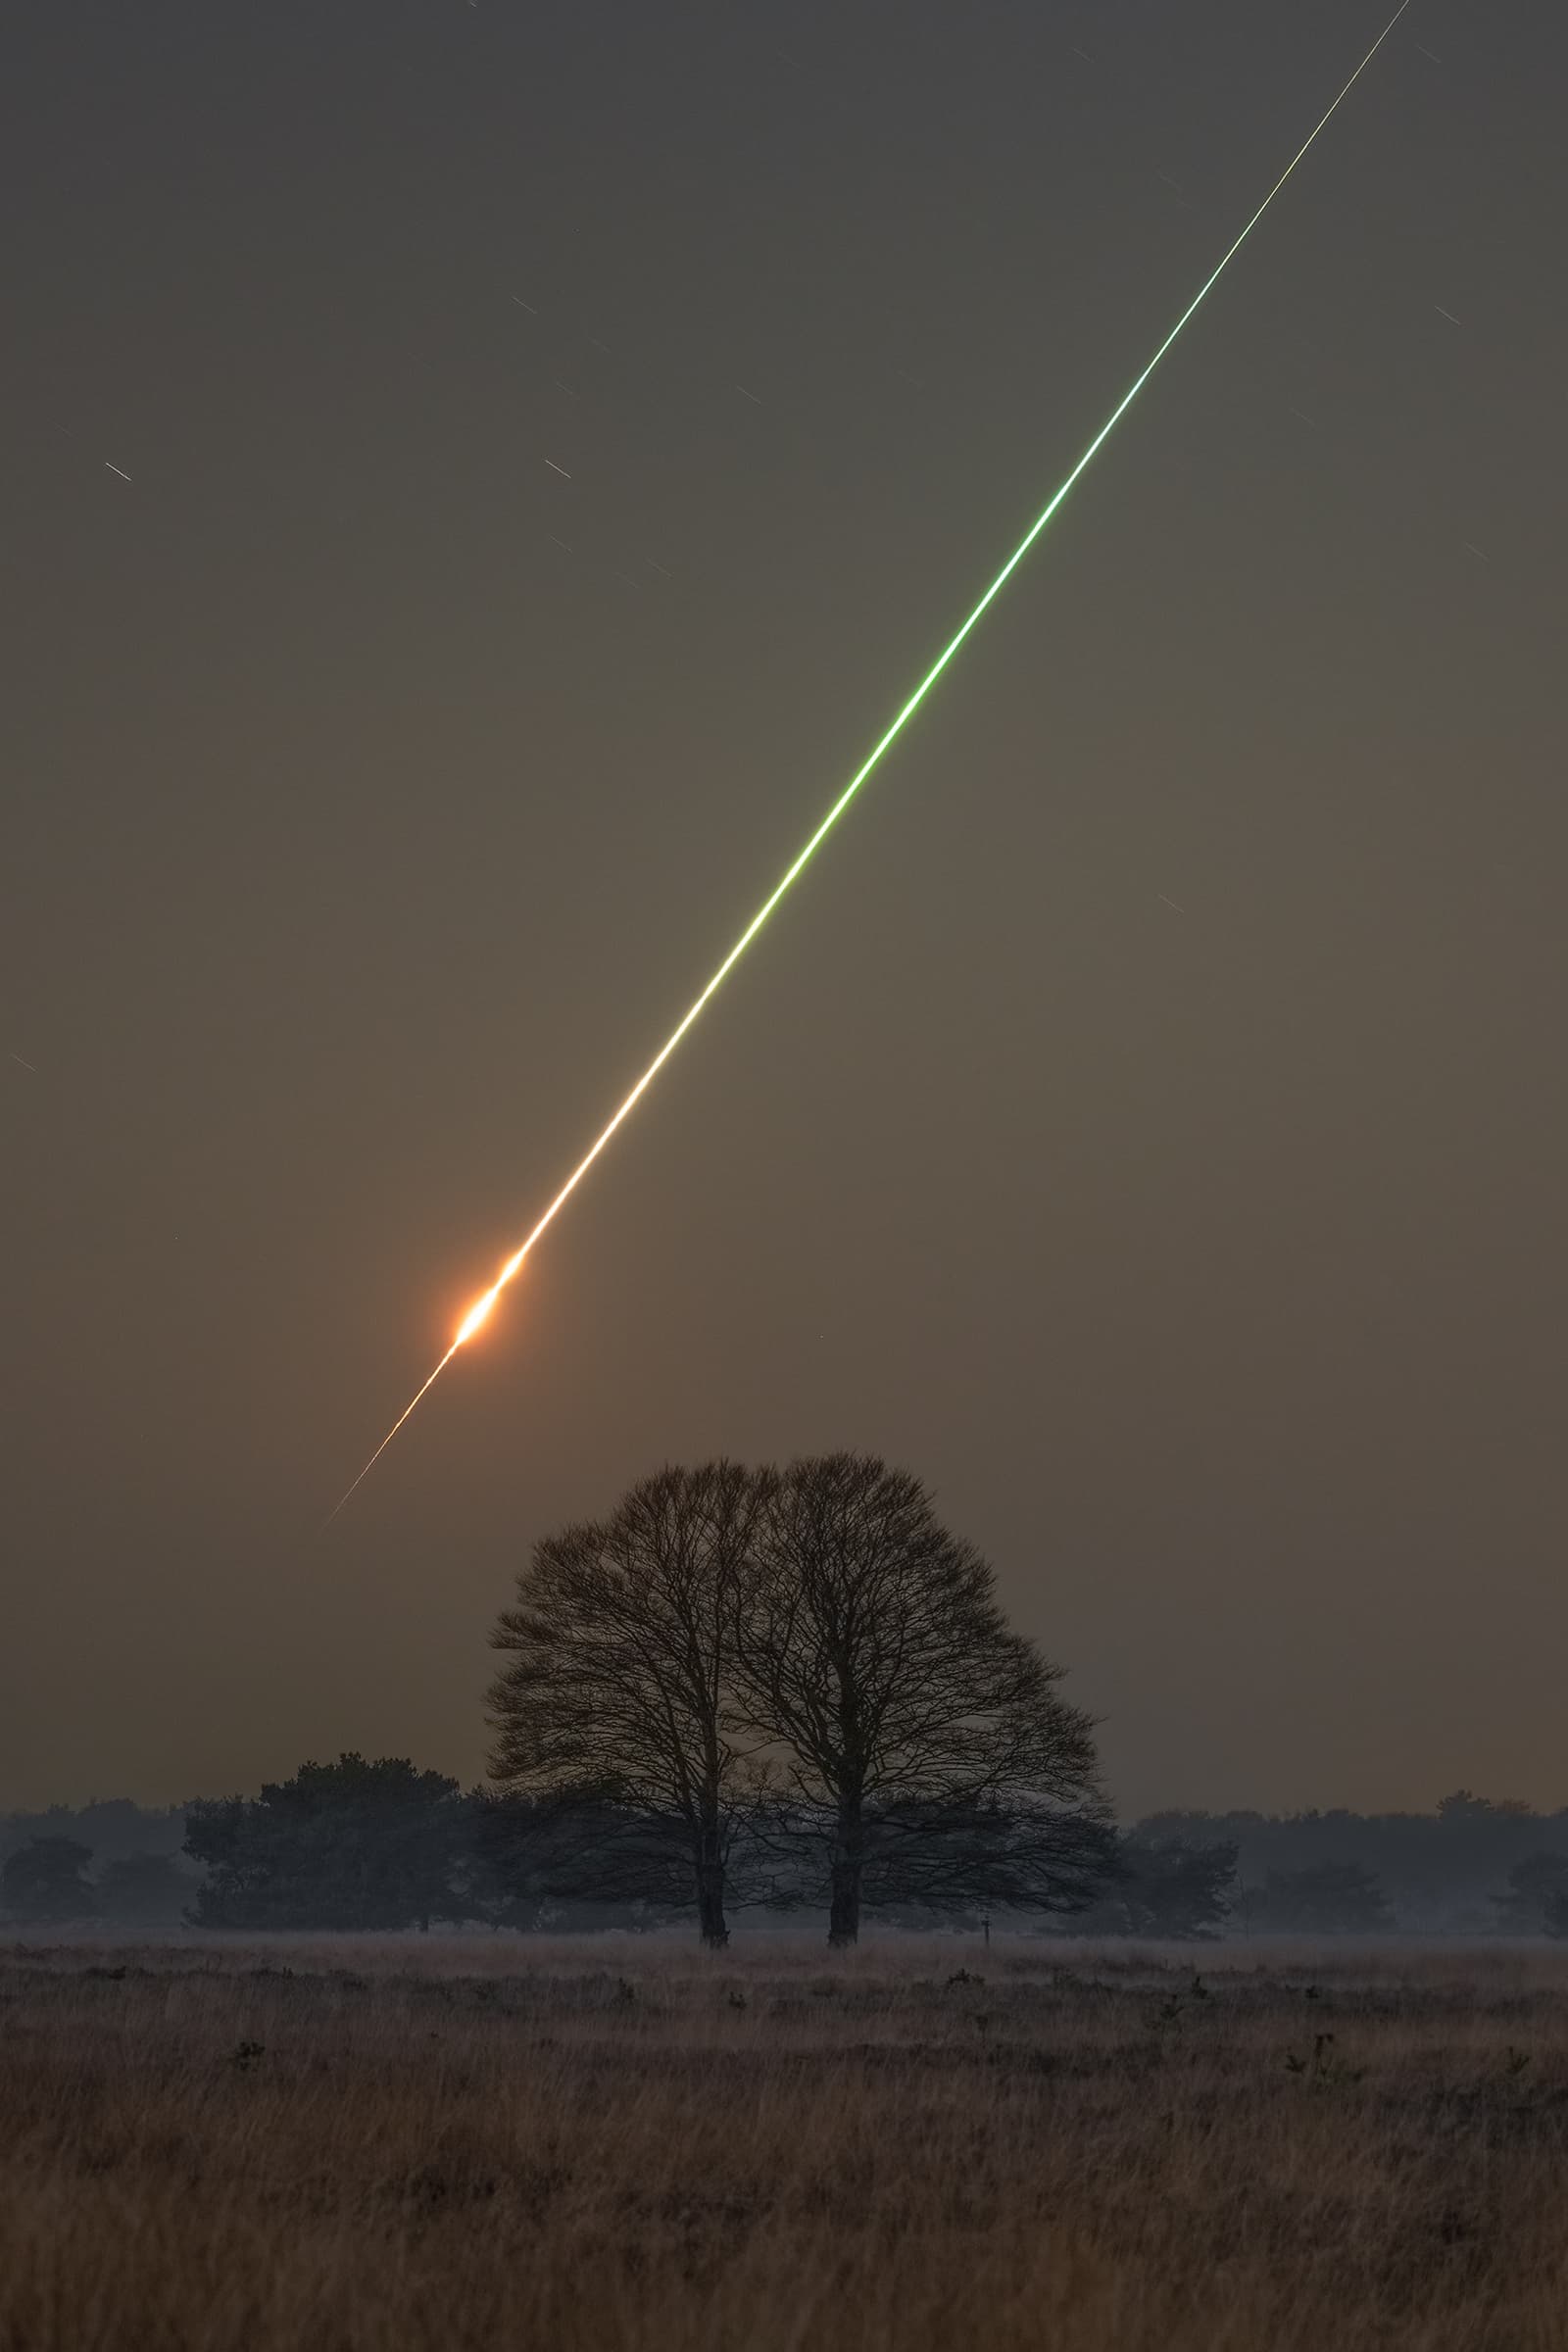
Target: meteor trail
[(479, 1313)]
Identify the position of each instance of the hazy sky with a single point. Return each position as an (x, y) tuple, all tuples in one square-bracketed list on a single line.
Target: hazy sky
[(361, 841)]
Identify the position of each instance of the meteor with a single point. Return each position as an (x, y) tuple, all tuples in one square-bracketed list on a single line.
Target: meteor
[(480, 1311)]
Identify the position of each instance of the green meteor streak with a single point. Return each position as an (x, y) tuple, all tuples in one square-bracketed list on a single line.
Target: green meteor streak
[(479, 1311)]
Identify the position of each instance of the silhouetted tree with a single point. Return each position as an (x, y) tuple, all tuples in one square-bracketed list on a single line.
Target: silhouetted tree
[(973, 1859), (1537, 1885), (144, 1891), (545, 1861), (924, 1752), (350, 1846), (1166, 1888), (615, 1712), (1336, 1898), (47, 1880)]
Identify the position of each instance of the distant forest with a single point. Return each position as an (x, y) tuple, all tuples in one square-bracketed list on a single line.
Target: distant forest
[(1475, 1866)]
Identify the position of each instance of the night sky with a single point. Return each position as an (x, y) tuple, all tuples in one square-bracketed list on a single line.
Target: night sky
[(1147, 1120)]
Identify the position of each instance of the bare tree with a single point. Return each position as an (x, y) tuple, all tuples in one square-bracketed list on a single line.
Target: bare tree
[(614, 1706), (926, 1755)]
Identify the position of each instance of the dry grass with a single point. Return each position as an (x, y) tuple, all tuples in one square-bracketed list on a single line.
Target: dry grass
[(618, 2144)]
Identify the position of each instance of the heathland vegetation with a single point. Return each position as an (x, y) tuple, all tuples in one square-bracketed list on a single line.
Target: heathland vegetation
[(247, 2111), (446, 2145)]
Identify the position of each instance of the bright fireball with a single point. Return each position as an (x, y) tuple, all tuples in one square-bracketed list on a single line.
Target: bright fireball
[(477, 1315)]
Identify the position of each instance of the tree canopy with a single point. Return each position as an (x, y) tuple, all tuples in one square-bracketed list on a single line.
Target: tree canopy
[(925, 1754), (350, 1845), (794, 1688), (1332, 1898), (1166, 1887), (616, 1708), (46, 1880)]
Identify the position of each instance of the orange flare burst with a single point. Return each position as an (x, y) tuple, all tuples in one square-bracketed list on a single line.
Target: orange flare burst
[(477, 1315)]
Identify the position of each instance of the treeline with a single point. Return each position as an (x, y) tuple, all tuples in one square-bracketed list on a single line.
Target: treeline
[(753, 1690), (1475, 1866), (114, 1828), (50, 1878), (358, 1846), (111, 1861), (362, 1846)]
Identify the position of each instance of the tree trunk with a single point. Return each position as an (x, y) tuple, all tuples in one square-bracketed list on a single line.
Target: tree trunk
[(844, 1915), (710, 1904), (712, 1923)]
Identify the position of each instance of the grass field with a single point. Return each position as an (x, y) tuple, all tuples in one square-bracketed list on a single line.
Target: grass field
[(619, 2142)]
